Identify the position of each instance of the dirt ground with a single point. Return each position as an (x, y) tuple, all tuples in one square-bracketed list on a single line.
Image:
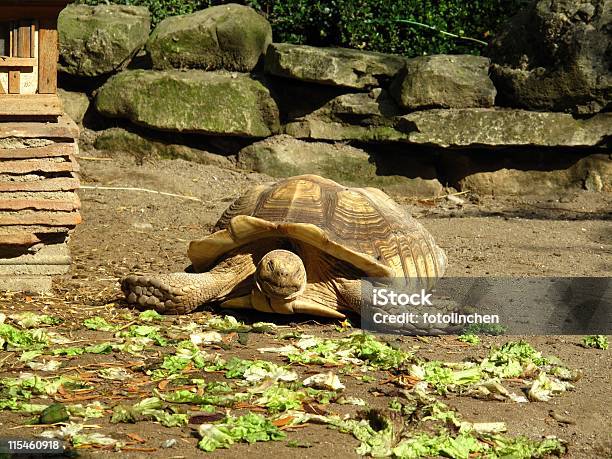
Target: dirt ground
[(134, 231)]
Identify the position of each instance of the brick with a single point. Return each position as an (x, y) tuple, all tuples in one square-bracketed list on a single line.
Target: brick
[(27, 217), (53, 184), (21, 238), (48, 231), (55, 149), (64, 128), (53, 254), (40, 165), (40, 204), (27, 284)]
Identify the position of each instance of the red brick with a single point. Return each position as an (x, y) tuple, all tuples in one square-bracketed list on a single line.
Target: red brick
[(40, 218), (40, 204), (32, 165), (54, 184), (55, 149)]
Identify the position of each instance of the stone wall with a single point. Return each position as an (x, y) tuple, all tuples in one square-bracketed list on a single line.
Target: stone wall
[(213, 87)]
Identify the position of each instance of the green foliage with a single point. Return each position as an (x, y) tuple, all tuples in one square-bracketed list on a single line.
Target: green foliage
[(364, 24)]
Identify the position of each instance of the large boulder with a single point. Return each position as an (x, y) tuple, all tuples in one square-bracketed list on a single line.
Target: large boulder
[(500, 128), (593, 173), (230, 37), (118, 140), (285, 156), (215, 103), (555, 55), (367, 117), (75, 104), (444, 81), (332, 66), (97, 40)]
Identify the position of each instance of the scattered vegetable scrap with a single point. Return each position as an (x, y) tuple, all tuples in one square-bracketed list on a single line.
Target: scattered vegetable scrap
[(185, 374)]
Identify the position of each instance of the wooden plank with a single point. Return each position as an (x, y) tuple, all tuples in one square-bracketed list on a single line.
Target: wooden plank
[(33, 40), (54, 149), (31, 104), (28, 217), (14, 81), (17, 61), (25, 39), (19, 11), (14, 39), (63, 128), (41, 204), (32, 165), (53, 184), (2, 90), (47, 56)]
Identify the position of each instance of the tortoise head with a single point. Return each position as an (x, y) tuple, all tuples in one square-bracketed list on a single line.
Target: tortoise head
[(281, 275)]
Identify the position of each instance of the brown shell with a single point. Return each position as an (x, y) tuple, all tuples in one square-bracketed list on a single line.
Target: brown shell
[(363, 226)]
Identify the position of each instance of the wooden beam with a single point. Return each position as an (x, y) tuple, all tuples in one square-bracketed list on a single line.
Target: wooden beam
[(47, 57), (24, 33), (33, 40), (14, 78), (17, 61), (16, 12), (30, 104)]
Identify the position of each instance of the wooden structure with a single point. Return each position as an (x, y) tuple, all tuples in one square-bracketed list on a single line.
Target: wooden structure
[(38, 204)]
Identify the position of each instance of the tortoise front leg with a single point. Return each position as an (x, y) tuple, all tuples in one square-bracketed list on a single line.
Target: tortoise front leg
[(181, 293)]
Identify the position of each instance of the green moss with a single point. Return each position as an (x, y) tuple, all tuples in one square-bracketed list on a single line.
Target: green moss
[(202, 102)]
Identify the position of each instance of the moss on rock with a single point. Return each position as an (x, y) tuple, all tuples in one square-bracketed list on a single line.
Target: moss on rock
[(97, 40), (216, 103), (229, 37)]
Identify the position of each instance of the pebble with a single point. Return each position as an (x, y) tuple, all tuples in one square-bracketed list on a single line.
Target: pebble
[(142, 225)]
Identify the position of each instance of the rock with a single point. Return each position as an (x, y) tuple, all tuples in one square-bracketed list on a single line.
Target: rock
[(230, 37), (75, 104), (284, 156), (97, 40), (377, 104), (216, 103), (332, 66), (119, 140), (555, 55), (593, 173), (323, 129), (367, 117), (498, 128), (444, 81)]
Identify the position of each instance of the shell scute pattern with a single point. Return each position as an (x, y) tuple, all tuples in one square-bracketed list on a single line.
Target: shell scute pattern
[(364, 220)]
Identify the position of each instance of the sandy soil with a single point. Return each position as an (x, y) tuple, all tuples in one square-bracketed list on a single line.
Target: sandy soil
[(131, 231)]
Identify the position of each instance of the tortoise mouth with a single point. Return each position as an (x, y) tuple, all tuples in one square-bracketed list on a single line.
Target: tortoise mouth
[(279, 292)]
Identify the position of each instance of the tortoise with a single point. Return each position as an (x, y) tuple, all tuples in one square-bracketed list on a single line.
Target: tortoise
[(300, 245)]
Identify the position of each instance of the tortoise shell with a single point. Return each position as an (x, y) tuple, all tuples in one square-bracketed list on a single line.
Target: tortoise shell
[(362, 226)]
